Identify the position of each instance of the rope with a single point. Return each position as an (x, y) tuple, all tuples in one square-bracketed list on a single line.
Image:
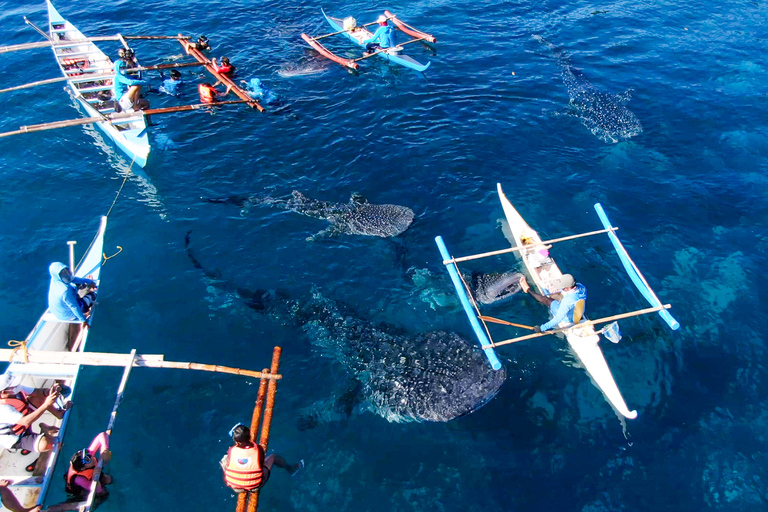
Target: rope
[(110, 257), (121, 186), (474, 304), (19, 346)]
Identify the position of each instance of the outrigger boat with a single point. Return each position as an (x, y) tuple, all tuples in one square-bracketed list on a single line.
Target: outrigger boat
[(542, 271), (80, 62), (357, 34), (51, 336)]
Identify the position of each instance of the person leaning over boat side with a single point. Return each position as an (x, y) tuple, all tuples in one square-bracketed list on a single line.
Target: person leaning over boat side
[(64, 301), (16, 426), (383, 38), (79, 477), (561, 309), (11, 502), (209, 93), (244, 465), (129, 99)]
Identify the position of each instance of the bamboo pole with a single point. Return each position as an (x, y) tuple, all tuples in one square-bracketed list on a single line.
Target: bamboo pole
[(253, 501), (342, 31), (242, 498), (116, 117), (385, 49), (580, 325), (47, 44), (513, 249), (109, 359)]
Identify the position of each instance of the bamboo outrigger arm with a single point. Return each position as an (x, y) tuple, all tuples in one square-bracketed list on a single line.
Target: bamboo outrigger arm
[(47, 44), (45, 357), (409, 29)]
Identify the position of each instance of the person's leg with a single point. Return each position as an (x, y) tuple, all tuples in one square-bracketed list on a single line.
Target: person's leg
[(278, 461)]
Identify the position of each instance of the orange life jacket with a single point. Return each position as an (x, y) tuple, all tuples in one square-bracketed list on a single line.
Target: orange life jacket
[(71, 487), (21, 404), (207, 94), (224, 69), (244, 469)]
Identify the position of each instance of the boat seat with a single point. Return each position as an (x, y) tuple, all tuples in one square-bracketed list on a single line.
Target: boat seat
[(85, 90), (69, 55), (49, 317), (578, 311), (46, 370)]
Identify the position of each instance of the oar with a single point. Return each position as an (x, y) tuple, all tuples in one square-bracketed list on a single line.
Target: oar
[(504, 322), (115, 117), (37, 29), (101, 77), (42, 44), (385, 49), (342, 31)]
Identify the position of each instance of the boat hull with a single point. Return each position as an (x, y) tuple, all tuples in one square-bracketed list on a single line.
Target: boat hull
[(78, 60), (361, 34), (582, 339)]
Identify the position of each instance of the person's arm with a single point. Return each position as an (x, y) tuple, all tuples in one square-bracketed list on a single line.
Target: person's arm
[(375, 36), (128, 81), (560, 315), (29, 419), (70, 299), (99, 444)]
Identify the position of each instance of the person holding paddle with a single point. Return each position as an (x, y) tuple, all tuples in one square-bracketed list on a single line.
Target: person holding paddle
[(571, 293), (383, 38)]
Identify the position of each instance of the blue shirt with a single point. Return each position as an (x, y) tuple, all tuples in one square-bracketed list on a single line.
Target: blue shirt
[(563, 309), (385, 35), (122, 82), (62, 298), (172, 87)]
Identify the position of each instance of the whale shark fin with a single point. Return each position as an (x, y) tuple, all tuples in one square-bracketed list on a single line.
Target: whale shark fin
[(330, 232), (625, 96), (358, 198)]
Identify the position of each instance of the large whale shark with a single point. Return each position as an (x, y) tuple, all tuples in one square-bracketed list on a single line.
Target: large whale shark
[(357, 217), (487, 287), (604, 114), (433, 376)]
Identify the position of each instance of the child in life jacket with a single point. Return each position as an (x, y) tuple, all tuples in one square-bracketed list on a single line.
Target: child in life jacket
[(82, 466)]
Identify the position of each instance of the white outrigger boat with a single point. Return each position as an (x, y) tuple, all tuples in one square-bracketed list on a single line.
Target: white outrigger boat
[(85, 65), (542, 272), (50, 335)]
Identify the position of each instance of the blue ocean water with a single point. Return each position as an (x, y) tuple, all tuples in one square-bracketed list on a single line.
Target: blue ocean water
[(689, 194)]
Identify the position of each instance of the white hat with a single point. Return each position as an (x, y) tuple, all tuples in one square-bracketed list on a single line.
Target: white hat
[(9, 380), (382, 19)]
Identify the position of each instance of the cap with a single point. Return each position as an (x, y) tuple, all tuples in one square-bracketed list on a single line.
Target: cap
[(382, 19), (565, 281), (9, 380)]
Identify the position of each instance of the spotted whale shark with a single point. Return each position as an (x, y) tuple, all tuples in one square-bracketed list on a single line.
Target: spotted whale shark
[(604, 114), (403, 377), (487, 287), (356, 217)]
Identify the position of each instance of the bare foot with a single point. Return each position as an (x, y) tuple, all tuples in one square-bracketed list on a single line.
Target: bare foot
[(48, 429), (524, 285), (5, 483)]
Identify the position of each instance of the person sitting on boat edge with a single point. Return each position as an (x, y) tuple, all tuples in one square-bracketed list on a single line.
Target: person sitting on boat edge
[(209, 93), (16, 426), (126, 90), (26, 399), (11, 502), (562, 309), (244, 465), (383, 38), (79, 477), (173, 84), (64, 300)]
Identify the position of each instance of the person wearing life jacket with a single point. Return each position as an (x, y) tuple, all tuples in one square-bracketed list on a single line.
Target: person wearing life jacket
[(18, 413), (245, 467), (225, 68), (82, 465), (64, 300), (202, 44), (383, 38), (569, 292), (209, 93)]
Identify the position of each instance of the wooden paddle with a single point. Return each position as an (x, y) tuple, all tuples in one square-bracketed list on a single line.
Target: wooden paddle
[(504, 322), (342, 31), (368, 56), (115, 117), (101, 76)]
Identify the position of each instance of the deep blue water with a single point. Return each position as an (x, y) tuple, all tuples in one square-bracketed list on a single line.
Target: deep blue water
[(689, 194)]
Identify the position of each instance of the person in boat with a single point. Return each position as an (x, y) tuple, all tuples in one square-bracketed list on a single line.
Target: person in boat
[(209, 93), (11, 502), (129, 57), (202, 44), (383, 38), (79, 477), (173, 84), (127, 91), (562, 309), (18, 415), (64, 299), (245, 467)]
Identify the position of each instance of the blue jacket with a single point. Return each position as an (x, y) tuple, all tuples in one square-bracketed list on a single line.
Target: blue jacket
[(563, 309), (385, 35), (62, 298), (122, 82), (171, 86)]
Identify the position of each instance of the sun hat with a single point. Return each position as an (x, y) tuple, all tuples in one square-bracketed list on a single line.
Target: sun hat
[(564, 281)]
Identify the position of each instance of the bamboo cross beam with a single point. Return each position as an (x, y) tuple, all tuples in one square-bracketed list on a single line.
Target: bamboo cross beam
[(385, 49), (48, 44), (580, 325), (345, 30), (110, 359), (535, 244), (103, 76)]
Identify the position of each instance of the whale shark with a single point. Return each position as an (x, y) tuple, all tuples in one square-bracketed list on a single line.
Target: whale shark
[(403, 377), (604, 114), (357, 217), (487, 287)]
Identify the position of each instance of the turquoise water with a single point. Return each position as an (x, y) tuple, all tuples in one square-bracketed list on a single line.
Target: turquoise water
[(689, 194)]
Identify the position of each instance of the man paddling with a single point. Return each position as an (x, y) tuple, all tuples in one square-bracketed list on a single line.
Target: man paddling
[(562, 310), (383, 38)]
